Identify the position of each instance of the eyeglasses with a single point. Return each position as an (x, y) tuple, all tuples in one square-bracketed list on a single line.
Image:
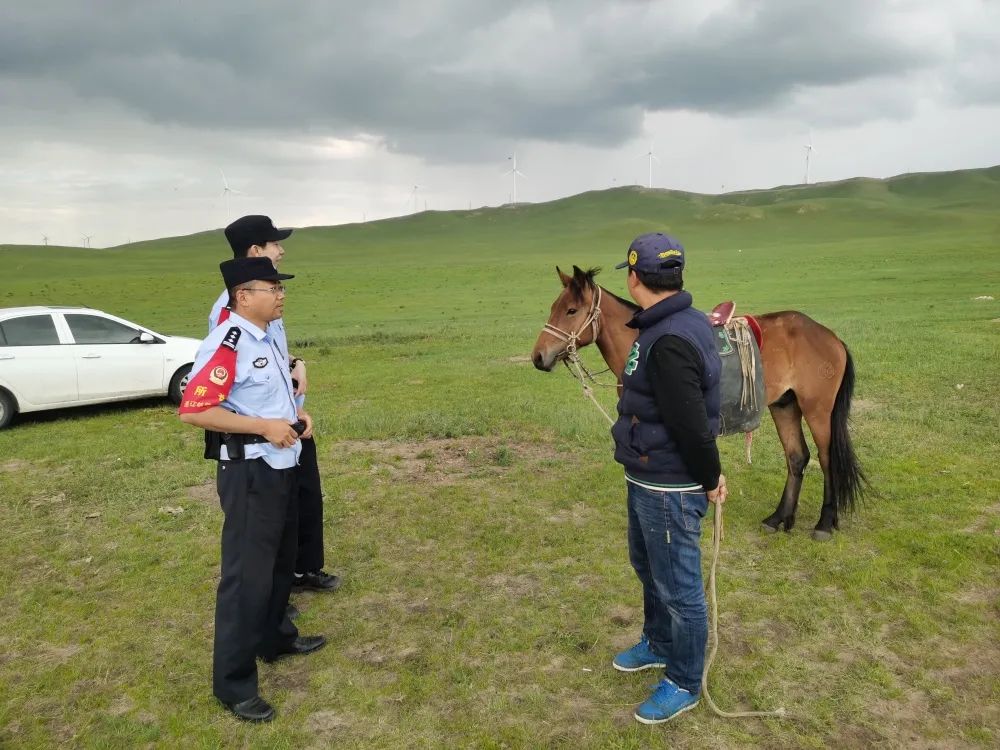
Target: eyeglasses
[(279, 289)]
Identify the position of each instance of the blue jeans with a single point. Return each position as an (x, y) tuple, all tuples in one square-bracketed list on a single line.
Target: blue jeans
[(664, 529)]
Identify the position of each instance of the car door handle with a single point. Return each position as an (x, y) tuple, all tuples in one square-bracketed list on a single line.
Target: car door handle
[(6, 356), (90, 356)]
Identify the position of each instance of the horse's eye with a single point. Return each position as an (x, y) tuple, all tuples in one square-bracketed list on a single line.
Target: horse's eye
[(571, 311)]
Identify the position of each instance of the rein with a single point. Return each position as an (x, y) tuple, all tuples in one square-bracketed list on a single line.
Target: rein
[(570, 355)]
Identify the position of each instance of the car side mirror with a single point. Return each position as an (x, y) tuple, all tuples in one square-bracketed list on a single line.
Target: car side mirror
[(146, 338)]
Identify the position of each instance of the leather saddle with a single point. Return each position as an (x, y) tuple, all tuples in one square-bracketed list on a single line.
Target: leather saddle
[(722, 314)]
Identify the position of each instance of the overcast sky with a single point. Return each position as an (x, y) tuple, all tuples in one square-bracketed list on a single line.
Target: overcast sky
[(117, 118)]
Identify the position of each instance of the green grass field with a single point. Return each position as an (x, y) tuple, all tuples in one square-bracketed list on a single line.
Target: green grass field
[(474, 509)]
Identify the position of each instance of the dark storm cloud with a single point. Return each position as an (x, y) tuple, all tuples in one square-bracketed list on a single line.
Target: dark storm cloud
[(430, 76)]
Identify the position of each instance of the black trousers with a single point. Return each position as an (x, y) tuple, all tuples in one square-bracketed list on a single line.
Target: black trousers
[(310, 496), (258, 560)]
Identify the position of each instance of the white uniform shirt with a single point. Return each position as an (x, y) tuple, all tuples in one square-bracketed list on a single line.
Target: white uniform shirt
[(262, 385), (276, 329)]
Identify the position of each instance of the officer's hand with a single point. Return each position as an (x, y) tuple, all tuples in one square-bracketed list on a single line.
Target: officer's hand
[(299, 375), (304, 416), (720, 493), (279, 433)]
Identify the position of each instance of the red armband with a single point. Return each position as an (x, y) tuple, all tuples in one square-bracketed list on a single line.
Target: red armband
[(212, 383)]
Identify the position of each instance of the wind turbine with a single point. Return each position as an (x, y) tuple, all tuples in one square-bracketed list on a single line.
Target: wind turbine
[(413, 196), (86, 240), (809, 149), (652, 158), (45, 239), (226, 192), (514, 172)]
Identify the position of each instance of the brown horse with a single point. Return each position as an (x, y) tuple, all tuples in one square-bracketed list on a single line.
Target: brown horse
[(808, 373)]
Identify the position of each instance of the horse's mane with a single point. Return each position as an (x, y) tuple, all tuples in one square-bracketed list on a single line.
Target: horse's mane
[(580, 281)]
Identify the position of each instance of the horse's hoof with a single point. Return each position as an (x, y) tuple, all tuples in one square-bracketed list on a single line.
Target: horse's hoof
[(821, 536), (768, 529)]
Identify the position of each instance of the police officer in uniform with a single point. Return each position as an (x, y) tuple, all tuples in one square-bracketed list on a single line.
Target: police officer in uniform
[(241, 393), (256, 236)]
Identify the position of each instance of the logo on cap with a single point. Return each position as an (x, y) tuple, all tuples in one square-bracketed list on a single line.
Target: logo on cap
[(633, 256), (669, 254)]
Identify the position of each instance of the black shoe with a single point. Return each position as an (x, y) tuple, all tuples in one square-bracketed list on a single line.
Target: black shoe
[(292, 611), (316, 580), (253, 709), (303, 644)]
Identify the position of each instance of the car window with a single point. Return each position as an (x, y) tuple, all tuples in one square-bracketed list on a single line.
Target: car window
[(30, 330), (93, 329)]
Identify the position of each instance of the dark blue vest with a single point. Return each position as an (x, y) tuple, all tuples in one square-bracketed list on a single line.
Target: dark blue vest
[(642, 444)]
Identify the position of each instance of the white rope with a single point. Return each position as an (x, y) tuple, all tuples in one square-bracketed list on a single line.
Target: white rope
[(588, 391), (714, 619), (748, 363)]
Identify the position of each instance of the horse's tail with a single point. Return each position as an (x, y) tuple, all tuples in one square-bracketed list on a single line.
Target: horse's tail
[(847, 481)]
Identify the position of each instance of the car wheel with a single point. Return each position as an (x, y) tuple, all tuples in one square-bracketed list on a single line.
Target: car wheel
[(178, 383), (7, 409)]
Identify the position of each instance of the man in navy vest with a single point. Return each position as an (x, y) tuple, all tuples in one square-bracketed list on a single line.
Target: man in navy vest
[(668, 417)]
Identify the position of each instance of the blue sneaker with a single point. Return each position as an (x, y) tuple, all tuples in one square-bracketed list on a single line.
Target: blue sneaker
[(637, 658), (666, 702)]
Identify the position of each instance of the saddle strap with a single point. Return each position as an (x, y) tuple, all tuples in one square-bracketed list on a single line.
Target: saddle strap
[(744, 337)]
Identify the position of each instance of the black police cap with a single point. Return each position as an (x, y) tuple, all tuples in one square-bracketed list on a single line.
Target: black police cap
[(248, 231), (241, 270)]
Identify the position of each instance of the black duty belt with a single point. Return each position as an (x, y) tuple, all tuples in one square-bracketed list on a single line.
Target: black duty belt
[(234, 443)]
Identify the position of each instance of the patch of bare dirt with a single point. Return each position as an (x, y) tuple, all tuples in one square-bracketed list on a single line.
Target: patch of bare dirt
[(519, 586), (14, 464), (985, 520), (440, 461), (327, 724), (288, 677), (121, 705), (857, 736), (979, 596), (293, 699), (49, 500), (577, 515), (904, 718), (51, 654), (369, 653), (205, 492), (418, 607), (624, 640), (623, 616)]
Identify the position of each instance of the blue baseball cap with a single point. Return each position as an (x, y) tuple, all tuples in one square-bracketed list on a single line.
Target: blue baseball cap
[(655, 252)]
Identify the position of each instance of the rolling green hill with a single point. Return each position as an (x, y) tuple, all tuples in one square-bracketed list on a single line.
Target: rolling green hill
[(446, 259)]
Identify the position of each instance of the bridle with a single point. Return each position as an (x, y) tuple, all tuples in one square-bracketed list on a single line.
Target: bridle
[(571, 357), (569, 352)]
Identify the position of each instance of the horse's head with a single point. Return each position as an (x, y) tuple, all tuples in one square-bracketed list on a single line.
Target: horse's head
[(573, 322)]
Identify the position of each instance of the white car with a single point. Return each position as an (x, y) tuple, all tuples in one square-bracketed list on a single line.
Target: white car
[(53, 357)]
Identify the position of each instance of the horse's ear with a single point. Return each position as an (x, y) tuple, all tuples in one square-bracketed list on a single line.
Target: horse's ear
[(563, 277), (579, 273)]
